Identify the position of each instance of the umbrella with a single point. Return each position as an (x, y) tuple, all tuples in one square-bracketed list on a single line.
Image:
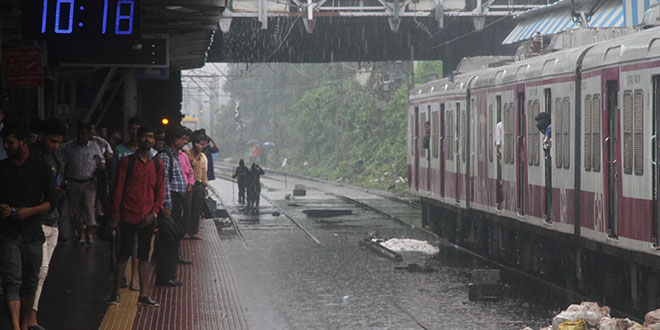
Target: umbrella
[(251, 142), (269, 144)]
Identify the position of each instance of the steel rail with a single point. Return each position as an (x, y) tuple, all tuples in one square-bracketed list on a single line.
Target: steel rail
[(291, 218), (233, 221)]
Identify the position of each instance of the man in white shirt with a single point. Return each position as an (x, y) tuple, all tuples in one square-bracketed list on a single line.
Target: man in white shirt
[(499, 136), (83, 158)]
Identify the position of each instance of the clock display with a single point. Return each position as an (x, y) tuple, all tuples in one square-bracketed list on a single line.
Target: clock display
[(81, 19)]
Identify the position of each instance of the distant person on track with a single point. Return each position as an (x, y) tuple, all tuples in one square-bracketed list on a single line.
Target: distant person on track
[(28, 192), (241, 175), (254, 188), (138, 198)]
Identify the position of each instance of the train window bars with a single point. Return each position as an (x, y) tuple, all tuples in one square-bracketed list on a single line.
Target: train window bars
[(489, 129), (556, 134), (638, 132), (587, 133), (627, 132), (422, 120), (595, 133), (530, 132), (565, 128), (434, 134)]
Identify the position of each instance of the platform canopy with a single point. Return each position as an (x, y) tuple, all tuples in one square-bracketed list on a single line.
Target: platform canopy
[(559, 16)]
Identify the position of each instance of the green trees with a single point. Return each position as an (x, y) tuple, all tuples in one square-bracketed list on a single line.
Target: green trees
[(321, 119)]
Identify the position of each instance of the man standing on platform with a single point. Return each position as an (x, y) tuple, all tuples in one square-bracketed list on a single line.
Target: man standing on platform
[(28, 192), (51, 134), (138, 198), (83, 158), (167, 252)]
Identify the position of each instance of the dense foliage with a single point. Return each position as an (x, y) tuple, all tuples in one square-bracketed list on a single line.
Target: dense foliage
[(322, 120)]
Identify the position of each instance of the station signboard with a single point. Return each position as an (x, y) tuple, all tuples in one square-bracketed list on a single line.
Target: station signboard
[(22, 67)]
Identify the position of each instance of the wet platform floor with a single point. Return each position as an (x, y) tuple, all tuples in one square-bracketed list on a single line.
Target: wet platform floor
[(278, 277)]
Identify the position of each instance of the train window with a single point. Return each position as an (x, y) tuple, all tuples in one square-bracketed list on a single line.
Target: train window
[(434, 134), (463, 127), (638, 132), (449, 138), (507, 132), (422, 121), (565, 129), (512, 132), (512, 126), (536, 137), (587, 133), (530, 132), (595, 133), (489, 129), (556, 134), (627, 132)]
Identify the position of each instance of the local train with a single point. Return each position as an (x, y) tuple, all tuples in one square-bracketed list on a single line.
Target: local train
[(596, 188)]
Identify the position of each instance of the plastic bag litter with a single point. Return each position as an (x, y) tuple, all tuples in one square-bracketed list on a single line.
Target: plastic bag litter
[(580, 324), (611, 323), (589, 311)]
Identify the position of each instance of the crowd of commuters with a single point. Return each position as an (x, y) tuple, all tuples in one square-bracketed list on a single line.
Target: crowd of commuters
[(57, 189)]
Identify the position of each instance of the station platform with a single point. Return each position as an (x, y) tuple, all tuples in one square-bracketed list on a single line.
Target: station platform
[(80, 281)]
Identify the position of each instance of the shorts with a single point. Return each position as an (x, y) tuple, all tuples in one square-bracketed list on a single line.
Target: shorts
[(127, 241)]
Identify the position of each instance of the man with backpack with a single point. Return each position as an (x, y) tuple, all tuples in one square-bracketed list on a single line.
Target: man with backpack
[(138, 198), (167, 250)]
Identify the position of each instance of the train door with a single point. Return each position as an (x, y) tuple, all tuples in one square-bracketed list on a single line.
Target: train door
[(499, 137), (548, 161), (656, 152), (416, 147), (612, 176), (441, 145), (520, 159)]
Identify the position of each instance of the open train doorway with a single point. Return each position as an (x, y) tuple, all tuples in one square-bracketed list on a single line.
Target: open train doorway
[(654, 156), (548, 161), (441, 127), (416, 145), (499, 133), (520, 160), (611, 142)]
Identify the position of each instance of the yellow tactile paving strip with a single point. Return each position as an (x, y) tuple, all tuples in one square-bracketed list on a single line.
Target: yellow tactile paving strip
[(121, 317)]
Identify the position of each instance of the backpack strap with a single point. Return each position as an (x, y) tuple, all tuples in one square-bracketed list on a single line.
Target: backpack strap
[(171, 157)]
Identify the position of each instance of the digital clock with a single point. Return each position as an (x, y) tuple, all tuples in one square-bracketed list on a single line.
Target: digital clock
[(81, 19)]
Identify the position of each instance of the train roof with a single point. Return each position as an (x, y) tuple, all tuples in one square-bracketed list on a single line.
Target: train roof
[(638, 46), (641, 45)]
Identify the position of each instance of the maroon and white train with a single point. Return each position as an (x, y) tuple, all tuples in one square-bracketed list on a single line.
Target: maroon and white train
[(601, 182)]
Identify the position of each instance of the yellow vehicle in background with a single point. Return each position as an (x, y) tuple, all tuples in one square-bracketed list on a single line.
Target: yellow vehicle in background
[(190, 122)]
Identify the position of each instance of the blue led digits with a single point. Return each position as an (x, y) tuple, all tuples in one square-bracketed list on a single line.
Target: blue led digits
[(69, 25), (121, 17), (44, 16), (105, 17), (84, 18)]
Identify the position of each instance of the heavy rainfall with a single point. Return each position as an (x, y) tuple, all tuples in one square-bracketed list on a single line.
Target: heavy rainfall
[(373, 164)]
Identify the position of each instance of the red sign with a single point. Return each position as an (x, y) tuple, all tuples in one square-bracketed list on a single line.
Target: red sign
[(22, 67)]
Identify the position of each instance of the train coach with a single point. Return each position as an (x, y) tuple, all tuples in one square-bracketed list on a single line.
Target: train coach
[(585, 213)]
